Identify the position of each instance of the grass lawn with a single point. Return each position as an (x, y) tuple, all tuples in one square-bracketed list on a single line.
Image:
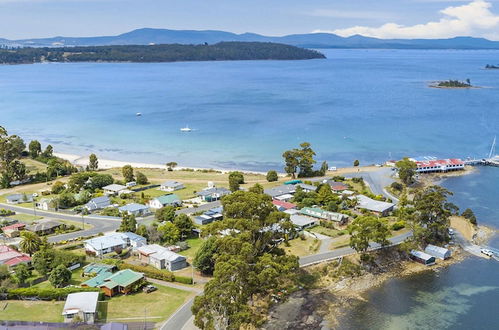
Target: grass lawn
[(33, 166), (299, 247), (159, 304), (43, 311), (327, 231), (195, 244), (25, 217), (340, 242)]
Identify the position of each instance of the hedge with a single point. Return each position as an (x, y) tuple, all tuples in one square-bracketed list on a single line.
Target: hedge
[(46, 294), (157, 274)]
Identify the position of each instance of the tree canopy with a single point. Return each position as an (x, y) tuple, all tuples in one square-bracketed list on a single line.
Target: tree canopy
[(406, 169)]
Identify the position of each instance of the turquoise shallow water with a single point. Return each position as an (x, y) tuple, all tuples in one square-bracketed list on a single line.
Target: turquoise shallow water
[(358, 104)]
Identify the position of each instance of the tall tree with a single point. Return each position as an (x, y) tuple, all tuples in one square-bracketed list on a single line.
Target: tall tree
[(307, 161), (204, 259), (272, 176), (35, 149), (127, 172), (235, 179), (171, 165), (406, 170), (49, 152), (141, 178), (184, 224), (257, 188), (60, 276), (470, 215), (170, 234), (30, 242), (22, 273), (365, 229), (128, 223), (166, 213), (291, 161), (324, 168), (93, 162)]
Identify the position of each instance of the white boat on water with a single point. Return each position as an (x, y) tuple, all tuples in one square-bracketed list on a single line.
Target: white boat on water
[(186, 129), (138, 114)]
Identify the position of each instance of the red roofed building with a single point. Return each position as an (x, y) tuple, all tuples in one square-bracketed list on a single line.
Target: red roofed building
[(11, 257), (283, 206), (13, 230), (439, 165), (338, 186)]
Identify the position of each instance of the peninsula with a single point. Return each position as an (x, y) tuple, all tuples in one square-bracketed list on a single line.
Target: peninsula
[(452, 84), (223, 51)]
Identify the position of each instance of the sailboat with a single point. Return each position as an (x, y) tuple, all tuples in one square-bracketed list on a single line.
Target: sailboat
[(186, 129)]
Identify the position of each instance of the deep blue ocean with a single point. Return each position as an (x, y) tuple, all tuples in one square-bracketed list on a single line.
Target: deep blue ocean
[(370, 105)]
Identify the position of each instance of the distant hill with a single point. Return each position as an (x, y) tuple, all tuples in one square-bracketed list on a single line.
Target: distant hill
[(223, 51), (148, 36)]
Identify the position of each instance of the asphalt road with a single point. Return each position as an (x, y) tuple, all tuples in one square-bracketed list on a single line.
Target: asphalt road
[(377, 180)]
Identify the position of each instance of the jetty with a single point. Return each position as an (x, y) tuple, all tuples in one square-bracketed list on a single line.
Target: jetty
[(491, 160)]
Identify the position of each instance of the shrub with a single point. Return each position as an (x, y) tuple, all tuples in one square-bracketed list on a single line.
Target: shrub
[(45, 294), (397, 186), (398, 225), (272, 176), (183, 279), (157, 274)]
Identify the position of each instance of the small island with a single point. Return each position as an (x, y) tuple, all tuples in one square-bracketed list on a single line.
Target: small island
[(452, 84), (223, 51), (491, 66)]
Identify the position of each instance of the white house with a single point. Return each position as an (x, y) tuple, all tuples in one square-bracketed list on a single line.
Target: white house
[(82, 305), (161, 257), (170, 186), (98, 203), (378, 207), (114, 242), (135, 209), (165, 200), (44, 204), (113, 189)]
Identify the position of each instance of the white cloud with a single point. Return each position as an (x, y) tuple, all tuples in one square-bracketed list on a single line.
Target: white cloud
[(474, 18)]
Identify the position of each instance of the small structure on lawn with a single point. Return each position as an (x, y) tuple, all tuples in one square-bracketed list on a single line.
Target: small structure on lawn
[(319, 213), (45, 227), (161, 257), (135, 209), (437, 251), (14, 229), (98, 203), (19, 198), (165, 200), (114, 189), (82, 305), (423, 258), (170, 186), (213, 194)]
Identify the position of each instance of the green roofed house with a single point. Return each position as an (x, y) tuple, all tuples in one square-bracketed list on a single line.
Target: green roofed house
[(325, 215), (165, 200), (97, 269), (123, 282)]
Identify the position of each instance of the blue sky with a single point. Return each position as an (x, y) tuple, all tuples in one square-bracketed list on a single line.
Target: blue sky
[(377, 18)]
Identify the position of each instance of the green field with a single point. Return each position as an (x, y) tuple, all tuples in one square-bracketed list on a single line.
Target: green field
[(194, 245), (22, 310)]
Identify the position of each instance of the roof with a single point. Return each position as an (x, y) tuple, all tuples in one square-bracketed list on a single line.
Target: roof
[(281, 190), (97, 280), (106, 241), (283, 204), (367, 203), (301, 220), (436, 249), (122, 278), (14, 226), (102, 201), (133, 207), (214, 190), (133, 236), (114, 187), (97, 268), (16, 197), (81, 301), (421, 255), (438, 162), (307, 186), (44, 225), (17, 260), (172, 184), (168, 199), (320, 213), (338, 186), (161, 253)]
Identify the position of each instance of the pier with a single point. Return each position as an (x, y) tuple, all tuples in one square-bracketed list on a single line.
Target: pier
[(491, 160)]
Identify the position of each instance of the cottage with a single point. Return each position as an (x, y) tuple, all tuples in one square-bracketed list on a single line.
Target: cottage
[(286, 189), (378, 207), (135, 209), (114, 189), (46, 227), (95, 269), (209, 216), (324, 215), (19, 198), (284, 198), (82, 305), (302, 222), (115, 242), (13, 230), (45, 204), (161, 257), (338, 186), (283, 206), (11, 257), (165, 200), (437, 251), (170, 186), (98, 203), (123, 281), (422, 257), (213, 194), (307, 187)]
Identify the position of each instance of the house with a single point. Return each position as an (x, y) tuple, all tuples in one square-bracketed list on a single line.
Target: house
[(12, 258), (95, 269), (114, 242), (165, 200), (113, 189), (44, 204), (286, 189), (423, 258), (430, 164), (81, 305), (13, 230), (307, 187), (284, 198), (170, 186), (19, 198), (213, 194), (378, 207), (135, 209), (283, 206), (123, 281), (324, 215), (338, 186), (98, 203), (437, 251), (302, 222), (46, 227), (161, 257), (209, 216)]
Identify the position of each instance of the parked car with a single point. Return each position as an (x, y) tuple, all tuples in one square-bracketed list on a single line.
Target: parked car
[(487, 252), (149, 288), (451, 231)]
